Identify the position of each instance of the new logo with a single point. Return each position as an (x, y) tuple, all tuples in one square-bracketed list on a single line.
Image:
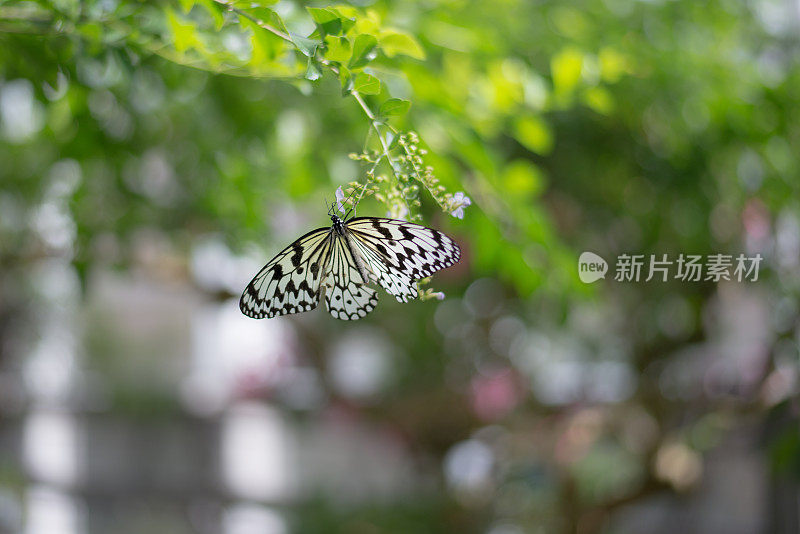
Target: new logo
[(591, 267)]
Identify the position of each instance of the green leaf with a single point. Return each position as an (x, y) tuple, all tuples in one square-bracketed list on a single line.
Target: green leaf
[(184, 34), (346, 79), (307, 46), (367, 84), (363, 51), (394, 106), (613, 64), (346, 20), (328, 20), (266, 45), (322, 15), (93, 31), (276, 21), (313, 72), (566, 68), (394, 42), (264, 15), (346, 12), (261, 14), (599, 99), (522, 179), (215, 10), (187, 5), (391, 139), (247, 4), (533, 133), (337, 49)]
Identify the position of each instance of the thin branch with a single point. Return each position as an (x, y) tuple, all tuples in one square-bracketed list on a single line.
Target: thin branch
[(261, 23), (363, 105)]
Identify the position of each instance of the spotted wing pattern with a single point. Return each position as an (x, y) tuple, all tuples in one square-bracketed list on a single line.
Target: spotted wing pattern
[(398, 253), (346, 295), (395, 282), (290, 282)]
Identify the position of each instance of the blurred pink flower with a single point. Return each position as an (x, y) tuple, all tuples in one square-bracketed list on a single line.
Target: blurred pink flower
[(495, 394), (756, 219)]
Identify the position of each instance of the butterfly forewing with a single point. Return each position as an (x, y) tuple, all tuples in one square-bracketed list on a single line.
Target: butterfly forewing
[(398, 252), (290, 282)]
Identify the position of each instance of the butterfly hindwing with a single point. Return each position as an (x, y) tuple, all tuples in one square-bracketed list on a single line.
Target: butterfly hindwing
[(346, 295), (394, 281), (290, 282), (350, 303)]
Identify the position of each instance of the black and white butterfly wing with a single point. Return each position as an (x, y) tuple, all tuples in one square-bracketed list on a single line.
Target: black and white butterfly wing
[(398, 253), (394, 281), (290, 282), (346, 294)]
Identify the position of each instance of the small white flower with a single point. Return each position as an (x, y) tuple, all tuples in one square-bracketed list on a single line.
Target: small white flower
[(439, 295), (339, 198), (459, 202)]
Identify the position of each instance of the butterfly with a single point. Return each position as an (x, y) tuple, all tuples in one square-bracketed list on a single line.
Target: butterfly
[(343, 259)]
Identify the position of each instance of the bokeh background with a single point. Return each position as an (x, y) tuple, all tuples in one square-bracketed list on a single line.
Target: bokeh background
[(149, 167)]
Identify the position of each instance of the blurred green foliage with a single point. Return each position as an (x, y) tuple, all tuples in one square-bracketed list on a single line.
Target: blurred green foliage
[(608, 125)]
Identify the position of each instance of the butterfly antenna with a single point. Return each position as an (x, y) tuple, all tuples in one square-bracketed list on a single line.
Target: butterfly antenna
[(355, 203), (361, 195)]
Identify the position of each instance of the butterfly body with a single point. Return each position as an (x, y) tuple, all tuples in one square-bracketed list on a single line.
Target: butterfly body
[(338, 225), (341, 260)]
